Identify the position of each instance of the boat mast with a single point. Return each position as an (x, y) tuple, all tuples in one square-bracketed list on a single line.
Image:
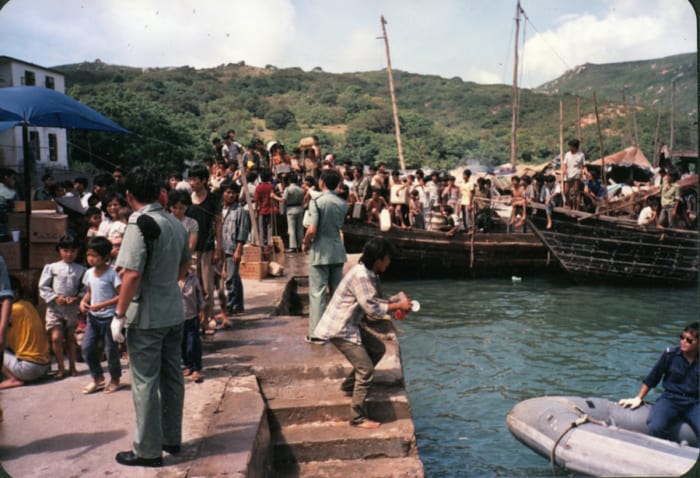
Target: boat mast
[(514, 123), (397, 127)]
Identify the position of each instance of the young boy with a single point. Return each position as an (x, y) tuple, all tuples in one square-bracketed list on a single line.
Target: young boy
[(102, 285), (60, 285), (235, 230), (193, 303)]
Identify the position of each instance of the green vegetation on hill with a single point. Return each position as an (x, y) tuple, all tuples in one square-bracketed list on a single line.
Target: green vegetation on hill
[(174, 113)]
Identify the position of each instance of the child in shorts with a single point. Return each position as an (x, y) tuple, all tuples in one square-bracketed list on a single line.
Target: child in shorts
[(102, 285), (60, 285)]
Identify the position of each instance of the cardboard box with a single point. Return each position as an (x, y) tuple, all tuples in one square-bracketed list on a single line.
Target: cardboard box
[(12, 253), (20, 206), (41, 254), (47, 227), (252, 253), (254, 270)]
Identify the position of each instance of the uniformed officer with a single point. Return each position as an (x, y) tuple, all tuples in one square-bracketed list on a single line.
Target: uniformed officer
[(326, 250), (153, 254), (678, 367)]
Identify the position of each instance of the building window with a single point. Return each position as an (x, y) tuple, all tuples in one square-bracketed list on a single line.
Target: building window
[(53, 147), (50, 82), (34, 145), (29, 78)]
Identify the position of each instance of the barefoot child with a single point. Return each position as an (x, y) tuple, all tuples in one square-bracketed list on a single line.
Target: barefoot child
[(102, 283), (60, 285)]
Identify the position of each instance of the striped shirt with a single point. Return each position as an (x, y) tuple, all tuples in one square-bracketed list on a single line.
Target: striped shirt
[(357, 295)]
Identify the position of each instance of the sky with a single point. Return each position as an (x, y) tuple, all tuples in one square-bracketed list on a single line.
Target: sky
[(470, 39)]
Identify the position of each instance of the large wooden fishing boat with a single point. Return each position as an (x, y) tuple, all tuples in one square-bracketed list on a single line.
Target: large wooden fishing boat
[(596, 249), (431, 254)]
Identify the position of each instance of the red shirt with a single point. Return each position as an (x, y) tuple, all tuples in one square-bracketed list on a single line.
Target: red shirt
[(263, 198)]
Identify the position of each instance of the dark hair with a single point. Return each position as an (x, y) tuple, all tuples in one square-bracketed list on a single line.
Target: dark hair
[(199, 171), (143, 184), (69, 241), (330, 178), (118, 169), (101, 245), (109, 197), (468, 172), (293, 178), (103, 180), (176, 175), (574, 142), (176, 196), (230, 185), (310, 180), (266, 175), (81, 180), (46, 176), (92, 210), (375, 250), (692, 327)]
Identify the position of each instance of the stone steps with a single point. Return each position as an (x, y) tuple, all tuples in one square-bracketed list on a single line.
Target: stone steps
[(410, 467), (310, 442), (324, 401)]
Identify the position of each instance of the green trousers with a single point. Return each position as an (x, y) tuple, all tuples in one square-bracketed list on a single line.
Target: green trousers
[(157, 387), (321, 279)]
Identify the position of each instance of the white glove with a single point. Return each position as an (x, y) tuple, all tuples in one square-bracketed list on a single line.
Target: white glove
[(631, 403), (117, 327)]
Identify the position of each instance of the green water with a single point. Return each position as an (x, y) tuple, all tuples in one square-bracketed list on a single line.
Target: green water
[(476, 348)]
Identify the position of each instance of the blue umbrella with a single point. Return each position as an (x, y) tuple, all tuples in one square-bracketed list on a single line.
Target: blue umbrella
[(36, 106)]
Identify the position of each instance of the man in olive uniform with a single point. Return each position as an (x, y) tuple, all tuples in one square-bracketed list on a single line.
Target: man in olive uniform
[(153, 254), (326, 250)]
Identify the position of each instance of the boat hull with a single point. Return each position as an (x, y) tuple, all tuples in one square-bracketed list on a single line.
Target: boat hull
[(426, 254), (594, 250), (620, 448)]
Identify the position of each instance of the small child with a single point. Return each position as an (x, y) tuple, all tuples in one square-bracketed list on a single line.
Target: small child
[(94, 218), (193, 302), (647, 215), (99, 303), (60, 285), (415, 211)]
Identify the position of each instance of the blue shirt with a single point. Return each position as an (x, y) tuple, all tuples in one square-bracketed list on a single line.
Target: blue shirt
[(102, 288), (679, 376)]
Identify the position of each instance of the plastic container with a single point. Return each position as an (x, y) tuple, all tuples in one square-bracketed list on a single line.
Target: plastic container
[(384, 220)]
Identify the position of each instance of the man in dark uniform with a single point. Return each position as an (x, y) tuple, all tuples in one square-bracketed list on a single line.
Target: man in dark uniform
[(153, 255), (678, 367)]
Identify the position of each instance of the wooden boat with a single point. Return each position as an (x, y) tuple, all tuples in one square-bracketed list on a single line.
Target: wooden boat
[(596, 249), (598, 437), (427, 254)]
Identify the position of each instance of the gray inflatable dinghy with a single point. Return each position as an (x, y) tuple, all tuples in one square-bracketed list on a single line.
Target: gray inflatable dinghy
[(598, 437)]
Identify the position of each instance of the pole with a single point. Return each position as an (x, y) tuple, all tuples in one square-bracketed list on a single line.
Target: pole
[(397, 126), (513, 127), (656, 140), (673, 110), (578, 118), (628, 130), (561, 144), (27, 156), (634, 120), (602, 154)]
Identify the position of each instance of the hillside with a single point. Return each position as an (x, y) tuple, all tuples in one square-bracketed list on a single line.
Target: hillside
[(445, 122), (649, 81)]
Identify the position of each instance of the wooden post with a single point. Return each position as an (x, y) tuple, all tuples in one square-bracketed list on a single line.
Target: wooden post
[(513, 127), (656, 140), (673, 111), (561, 145), (397, 126), (578, 118), (602, 154)]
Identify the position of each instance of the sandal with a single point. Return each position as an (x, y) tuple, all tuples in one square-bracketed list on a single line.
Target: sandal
[(112, 387), (197, 377), (186, 372), (92, 387), (365, 423)]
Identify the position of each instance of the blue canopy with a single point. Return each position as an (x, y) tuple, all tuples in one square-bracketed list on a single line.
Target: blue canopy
[(37, 106)]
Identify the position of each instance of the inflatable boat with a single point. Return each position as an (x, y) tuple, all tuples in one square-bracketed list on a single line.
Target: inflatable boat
[(598, 437)]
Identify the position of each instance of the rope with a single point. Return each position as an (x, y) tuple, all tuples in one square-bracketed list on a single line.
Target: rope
[(584, 418)]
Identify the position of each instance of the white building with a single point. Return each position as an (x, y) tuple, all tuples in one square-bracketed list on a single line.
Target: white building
[(49, 145)]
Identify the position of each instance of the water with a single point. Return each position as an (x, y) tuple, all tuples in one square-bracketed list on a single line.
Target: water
[(476, 348)]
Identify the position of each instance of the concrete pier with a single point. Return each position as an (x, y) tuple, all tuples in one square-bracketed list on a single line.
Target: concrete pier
[(270, 405)]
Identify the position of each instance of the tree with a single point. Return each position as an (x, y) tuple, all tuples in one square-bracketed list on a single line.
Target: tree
[(279, 118)]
